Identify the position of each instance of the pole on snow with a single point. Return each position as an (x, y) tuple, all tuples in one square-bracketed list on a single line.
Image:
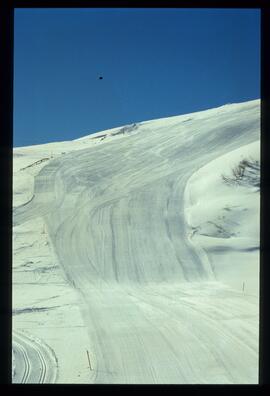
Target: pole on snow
[(90, 367)]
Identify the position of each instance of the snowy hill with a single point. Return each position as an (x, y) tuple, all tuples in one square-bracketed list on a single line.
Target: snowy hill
[(138, 247)]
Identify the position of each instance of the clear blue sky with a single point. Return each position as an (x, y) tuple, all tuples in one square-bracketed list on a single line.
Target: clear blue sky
[(154, 63)]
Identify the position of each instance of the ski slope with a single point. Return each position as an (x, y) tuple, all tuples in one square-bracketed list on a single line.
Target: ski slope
[(114, 209)]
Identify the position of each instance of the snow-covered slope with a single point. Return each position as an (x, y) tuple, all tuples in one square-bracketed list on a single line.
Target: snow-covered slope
[(127, 244), (223, 216)]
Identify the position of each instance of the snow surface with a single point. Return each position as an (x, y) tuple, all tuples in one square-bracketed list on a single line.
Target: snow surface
[(224, 220), (130, 249)]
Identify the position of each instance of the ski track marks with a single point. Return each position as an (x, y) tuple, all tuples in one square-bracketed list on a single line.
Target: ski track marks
[(115, 214), (34, 361)]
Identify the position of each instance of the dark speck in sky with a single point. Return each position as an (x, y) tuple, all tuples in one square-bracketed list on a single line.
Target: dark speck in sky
[(158, 62)]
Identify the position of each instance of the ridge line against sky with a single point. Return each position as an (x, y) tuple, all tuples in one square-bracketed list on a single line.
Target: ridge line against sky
[(109, 130), (155, 63)]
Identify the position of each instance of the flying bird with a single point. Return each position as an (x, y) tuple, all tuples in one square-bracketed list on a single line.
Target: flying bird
[(101, 78)]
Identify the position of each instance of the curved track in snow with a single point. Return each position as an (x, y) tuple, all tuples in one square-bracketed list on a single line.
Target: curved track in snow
[(34, 362), (115, 215)]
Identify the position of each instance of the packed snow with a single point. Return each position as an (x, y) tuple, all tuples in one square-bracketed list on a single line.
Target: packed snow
[(136, 253)]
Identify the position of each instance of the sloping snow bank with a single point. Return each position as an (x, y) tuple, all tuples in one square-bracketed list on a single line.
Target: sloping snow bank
[(45, 305), (29, 160), (223, 219)]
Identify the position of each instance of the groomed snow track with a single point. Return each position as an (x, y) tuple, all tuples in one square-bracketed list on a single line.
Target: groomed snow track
[(115, 215), (35, 363)]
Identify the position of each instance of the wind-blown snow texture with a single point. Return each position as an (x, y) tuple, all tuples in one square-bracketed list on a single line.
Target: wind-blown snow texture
[(113, 216)]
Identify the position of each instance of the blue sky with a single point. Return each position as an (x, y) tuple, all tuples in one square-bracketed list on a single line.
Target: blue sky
[(154, 62)]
